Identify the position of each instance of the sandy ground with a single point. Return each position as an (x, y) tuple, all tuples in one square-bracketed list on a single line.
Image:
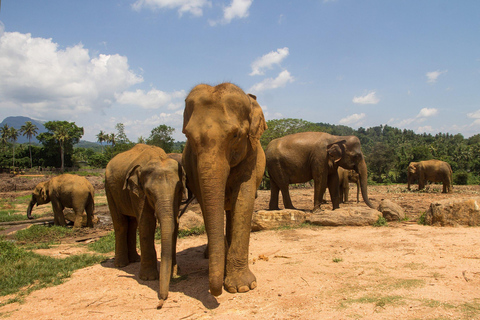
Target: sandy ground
[(403, 271)]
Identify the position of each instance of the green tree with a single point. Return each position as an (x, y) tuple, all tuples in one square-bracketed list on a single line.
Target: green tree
[(102, 137), (13, 136), (29, 130), (58, 142), (161, 136), (4, 135), (121, 136)]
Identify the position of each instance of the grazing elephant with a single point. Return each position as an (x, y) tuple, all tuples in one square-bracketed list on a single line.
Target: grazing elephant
[(225, 162), (65, 191), (300, 157), (431, 170), (144, 186), (345, 177)]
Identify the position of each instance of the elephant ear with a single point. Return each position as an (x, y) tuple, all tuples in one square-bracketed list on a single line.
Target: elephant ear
[(336, 150), (257, 121), (132, 181), (44, 193)]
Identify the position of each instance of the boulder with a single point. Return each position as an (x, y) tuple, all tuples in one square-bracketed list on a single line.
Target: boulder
[(461, 212), (391, 211), (350, 216), (70, 216), (272, 219), (190, 220)]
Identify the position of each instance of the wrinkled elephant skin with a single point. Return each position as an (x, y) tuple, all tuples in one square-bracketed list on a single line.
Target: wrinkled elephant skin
[(144, 186), (224, 163)]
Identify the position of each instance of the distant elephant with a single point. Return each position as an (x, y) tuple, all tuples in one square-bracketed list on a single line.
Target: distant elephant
[(144, 186), (300, 157), (345, 177), (431, 170), (225, 162), (65, 191)]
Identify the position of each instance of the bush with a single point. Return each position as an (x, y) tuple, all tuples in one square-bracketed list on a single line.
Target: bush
[(460, 178)]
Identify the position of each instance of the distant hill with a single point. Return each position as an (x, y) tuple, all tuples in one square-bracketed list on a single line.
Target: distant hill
[(18, 122)]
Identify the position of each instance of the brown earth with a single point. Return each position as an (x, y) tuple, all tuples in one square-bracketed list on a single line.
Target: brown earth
[(403, 271)]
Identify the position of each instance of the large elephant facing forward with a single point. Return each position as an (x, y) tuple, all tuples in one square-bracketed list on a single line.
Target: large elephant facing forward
[(65, 191), (431, 170), (144, 186), (225, 162), (300, 157)]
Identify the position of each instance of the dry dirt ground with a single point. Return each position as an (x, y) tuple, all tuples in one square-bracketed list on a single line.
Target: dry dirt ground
[(402, 271)]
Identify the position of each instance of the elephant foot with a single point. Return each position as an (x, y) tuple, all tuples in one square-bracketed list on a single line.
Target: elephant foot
[(147, 274), (274, 208), (317, 210), (134, 257), (240, 281), (121, 262)]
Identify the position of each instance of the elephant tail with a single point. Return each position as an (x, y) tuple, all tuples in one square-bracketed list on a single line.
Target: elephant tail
[(189, 200)]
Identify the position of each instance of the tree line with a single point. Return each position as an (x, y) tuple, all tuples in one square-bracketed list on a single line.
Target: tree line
[(387, 150)]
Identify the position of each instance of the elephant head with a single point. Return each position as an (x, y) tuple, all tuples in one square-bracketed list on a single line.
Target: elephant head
[(353, 159), (223, 125), (412, 173), (40, 195)]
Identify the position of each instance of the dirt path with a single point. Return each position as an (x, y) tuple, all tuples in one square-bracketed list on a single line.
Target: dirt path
[(403, 271)]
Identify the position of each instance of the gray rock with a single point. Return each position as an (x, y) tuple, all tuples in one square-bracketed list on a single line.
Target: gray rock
[(461, 212), (391, 211), (350, 216), (272, 219)]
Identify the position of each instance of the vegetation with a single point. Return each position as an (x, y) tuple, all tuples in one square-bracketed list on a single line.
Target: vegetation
[(387, 150)]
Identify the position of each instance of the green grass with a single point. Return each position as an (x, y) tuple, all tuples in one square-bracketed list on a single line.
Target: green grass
[(23, 271), (337, 260), (422, 220), (105, 244), (381, 222), (40, 235)]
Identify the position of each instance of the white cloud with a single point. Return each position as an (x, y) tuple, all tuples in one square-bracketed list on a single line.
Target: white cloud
[(427, 112), (194, 7), (238, 9), (474, 115), (352, 119), (153, 99), (433, 76), (280, 81), (39, 77), (268, 60), (369, 98), (426, 129)]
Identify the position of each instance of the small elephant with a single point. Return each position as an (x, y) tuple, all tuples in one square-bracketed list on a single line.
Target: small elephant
[(65, 191), (431, 170), (143, 185), (224, 163), (345, 177), (300, 157)]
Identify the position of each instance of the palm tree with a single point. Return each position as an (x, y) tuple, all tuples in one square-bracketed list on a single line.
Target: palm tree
[(61, 135), (13, 136), (111, 139), (30, 130), (102, 137), (4, 136)]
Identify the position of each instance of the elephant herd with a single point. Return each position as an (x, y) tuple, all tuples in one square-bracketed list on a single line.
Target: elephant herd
[(222, 165)]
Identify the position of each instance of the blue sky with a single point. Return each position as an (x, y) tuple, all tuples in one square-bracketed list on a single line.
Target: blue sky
[(409, 64)]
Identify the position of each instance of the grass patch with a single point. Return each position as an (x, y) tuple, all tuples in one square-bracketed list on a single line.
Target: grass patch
[(381, 222), (195, 231), (422, 220), (28, 271), (105, 244), (471, 310), (39, 233), (379, 301), (337, 260)]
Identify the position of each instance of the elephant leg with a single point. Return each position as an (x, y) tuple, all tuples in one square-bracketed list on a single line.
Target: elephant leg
[(133, 256), (287, 200), (89, 210), (78, 218), (274, 191), (58, 216), (238, 277), (319, 187), (148, 259), (333, 188), (346, 190)]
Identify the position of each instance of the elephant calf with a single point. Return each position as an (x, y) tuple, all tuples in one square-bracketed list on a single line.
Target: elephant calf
[(65, 191), (431, 170), (144, 186), (345, 177)]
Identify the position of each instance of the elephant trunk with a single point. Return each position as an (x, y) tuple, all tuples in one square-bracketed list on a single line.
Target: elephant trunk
[(212, 182), (166, 214), (362, 172), (29, 209)]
